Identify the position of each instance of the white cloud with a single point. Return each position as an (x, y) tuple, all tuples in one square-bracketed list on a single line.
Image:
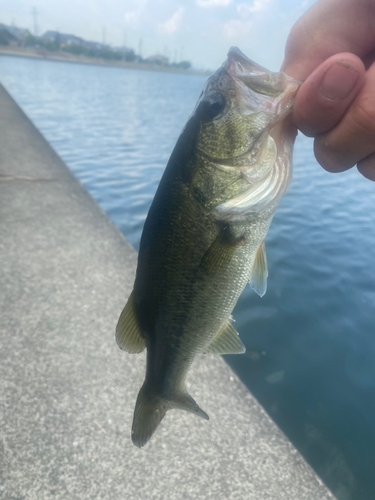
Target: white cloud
[(245, 9), (173, 24), (207, 4), (247, 15), (132, 17), (236, 28), (136, 17)]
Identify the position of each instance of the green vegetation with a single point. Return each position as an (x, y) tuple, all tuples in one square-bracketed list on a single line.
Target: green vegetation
[(53, 41), (181, 65), (6, 37), (39, 43), (79, 50), (101, 53)]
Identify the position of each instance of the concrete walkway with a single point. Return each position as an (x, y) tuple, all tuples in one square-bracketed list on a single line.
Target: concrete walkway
[(67, 392)]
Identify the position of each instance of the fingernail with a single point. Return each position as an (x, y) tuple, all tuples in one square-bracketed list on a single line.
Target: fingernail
[(338, 81)]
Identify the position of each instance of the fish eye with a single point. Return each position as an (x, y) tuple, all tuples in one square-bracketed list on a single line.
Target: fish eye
[(212, 105)]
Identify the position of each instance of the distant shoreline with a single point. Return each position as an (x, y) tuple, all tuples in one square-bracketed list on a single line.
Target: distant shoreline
[(70, 58)]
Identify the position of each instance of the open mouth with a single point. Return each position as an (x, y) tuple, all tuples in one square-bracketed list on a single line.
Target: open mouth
[(257, 78)]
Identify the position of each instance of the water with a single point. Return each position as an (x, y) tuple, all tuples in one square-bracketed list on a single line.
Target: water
[(311, 339)]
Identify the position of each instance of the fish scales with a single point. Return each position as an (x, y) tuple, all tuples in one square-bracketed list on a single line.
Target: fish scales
[(203, 239)]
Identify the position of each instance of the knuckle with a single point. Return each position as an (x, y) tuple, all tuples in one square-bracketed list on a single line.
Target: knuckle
[(366, 167), (326, 155), (314, 116), (363, 116), (306, 129), (305, 120)]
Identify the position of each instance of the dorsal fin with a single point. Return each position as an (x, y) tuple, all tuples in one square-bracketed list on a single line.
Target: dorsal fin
[(226, 342), (128, 335), (258, 281)]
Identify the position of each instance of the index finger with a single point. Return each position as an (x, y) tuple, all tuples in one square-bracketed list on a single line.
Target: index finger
[(327, 28)]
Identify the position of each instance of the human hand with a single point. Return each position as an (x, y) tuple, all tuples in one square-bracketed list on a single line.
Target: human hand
[(332, 48)]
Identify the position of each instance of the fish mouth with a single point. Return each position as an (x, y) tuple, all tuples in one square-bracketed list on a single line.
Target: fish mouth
[(277, 86), (237, 63)]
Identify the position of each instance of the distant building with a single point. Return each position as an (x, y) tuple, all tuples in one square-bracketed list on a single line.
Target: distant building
[(95, 45), (66, 40), (54, 41), (17, 35), (6, 38), (63, 38), (157, 59)]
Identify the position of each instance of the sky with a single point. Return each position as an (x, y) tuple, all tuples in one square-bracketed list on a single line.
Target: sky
[(200, 31)]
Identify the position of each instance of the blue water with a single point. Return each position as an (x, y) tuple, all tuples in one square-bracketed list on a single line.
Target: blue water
[(310, 341)]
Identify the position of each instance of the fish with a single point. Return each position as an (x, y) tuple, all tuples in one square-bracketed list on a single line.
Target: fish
[(203, 238)]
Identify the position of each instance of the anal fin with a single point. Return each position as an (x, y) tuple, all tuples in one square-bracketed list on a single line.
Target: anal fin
[(226, 342), (128, 335), (258, 281)]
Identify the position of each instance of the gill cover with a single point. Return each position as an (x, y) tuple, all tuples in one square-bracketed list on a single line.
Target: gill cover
[(246, 136)]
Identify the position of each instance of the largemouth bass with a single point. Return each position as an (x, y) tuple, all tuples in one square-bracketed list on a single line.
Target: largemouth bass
[(203, 239)]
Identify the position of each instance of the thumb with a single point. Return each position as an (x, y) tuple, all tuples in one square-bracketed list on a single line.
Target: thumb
[(327, 93)]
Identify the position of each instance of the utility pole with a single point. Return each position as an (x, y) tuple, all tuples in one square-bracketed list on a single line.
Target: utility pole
[(124, 47), (35, 13)]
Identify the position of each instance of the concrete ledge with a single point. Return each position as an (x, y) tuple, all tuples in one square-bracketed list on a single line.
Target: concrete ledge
[(67, 392)]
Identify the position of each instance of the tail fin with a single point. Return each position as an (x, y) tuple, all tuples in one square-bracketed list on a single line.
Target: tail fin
[(150, 411)]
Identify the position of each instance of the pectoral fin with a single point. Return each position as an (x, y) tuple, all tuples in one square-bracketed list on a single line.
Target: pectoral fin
[(128, 335), (258, 281), (220, 253), (226, 342)]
